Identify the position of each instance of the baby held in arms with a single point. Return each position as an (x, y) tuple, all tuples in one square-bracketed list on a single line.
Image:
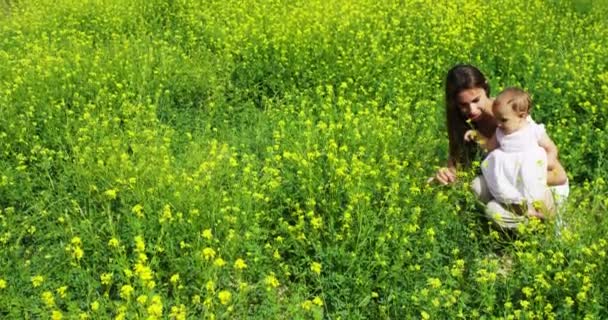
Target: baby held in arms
[(520, 152)]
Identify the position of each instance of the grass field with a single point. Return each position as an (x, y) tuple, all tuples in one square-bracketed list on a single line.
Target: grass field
[(268, 160)]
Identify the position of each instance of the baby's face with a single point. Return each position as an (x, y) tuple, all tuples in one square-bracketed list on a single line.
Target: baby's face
[(507, 119)]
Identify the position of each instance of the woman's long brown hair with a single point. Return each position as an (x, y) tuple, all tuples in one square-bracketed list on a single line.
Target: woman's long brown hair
[(461, 77)]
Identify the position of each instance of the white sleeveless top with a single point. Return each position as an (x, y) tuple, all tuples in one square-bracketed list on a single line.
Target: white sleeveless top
[(516, 172), (522, 139)]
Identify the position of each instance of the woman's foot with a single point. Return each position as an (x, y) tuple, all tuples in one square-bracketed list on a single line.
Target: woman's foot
[(533, 212), (542, 208)]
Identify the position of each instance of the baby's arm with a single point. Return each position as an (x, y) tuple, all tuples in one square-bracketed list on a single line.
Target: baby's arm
[(546, 143)]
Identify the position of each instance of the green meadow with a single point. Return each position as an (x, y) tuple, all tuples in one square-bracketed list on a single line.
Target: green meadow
[(269, 160)]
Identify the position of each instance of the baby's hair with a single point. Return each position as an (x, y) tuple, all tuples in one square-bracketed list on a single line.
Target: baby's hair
[(518, 99)]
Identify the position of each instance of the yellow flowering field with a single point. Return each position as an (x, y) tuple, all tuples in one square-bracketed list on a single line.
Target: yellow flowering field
[(268, 160)]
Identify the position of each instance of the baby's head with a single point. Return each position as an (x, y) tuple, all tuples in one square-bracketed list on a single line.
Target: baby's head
[(511, 108)]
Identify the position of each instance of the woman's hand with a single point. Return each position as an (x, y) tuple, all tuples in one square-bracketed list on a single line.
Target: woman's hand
[(471, 135), (474, 135), (446, 175)]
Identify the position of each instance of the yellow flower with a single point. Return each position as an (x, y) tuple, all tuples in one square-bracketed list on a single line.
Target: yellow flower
[(306, 305), (318, 301), (106, 278), (142, 299), (316, 267), (61, 291), (224, 296), (208, 253), (95, 305), (142, 257), (174, 278), (166, 215), (207, 234), (434, 282), (219, 262), (316, 222), (126, 291), (144, 272), (48, 299), (114, 243), (111, 193), (76, 241), (581, 296), (156, 308), (2, 283), (210, 286), (436, 302), (240, 264), (151, 284), (140, 245), (77, 253), (271, 281), (56, 315), (425, 315), (196, 299), (138, 210), (276, 255), (37, 280), (178, 312)]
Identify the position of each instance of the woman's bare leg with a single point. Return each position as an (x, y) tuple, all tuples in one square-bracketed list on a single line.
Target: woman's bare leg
[(505, 219)]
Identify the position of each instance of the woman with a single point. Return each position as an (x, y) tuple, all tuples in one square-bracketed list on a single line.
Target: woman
[(468, 105)]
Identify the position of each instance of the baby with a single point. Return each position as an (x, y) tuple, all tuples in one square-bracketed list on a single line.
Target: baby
[(515, 170)]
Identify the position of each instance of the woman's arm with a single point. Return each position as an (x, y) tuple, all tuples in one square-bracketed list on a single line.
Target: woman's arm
[(546, 143), (556, 173), (487, 143), (557, 176)]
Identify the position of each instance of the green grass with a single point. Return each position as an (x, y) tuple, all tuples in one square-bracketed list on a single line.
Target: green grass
[(299, 134)]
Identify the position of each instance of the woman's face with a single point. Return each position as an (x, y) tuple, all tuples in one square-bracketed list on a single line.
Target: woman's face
[(473, 103)]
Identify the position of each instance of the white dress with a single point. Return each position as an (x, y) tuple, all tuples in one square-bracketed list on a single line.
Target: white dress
[(516, 172)]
